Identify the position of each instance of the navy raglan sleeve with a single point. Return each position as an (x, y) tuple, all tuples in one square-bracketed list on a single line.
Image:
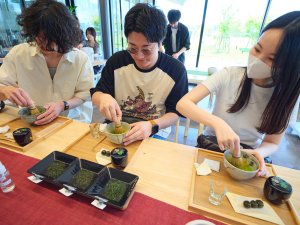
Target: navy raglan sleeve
[(106, 84), (179, 90)]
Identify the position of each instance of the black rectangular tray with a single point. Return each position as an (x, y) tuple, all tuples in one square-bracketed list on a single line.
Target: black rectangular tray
[(107, 174), (41, 166), (95, 190)]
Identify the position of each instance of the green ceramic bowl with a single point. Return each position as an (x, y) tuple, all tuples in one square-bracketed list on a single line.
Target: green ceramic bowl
[(26, 117), (249, 167)]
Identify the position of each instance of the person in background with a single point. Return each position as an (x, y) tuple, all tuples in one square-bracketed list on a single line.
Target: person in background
[(253, 104), (47, 70), (177, 40), (141, 85), (82, 41), (91, 39)]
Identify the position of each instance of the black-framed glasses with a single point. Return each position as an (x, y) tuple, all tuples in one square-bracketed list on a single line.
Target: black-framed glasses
[(145, 51)]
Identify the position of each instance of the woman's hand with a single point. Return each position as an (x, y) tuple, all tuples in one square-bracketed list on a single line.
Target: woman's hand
[(227, 138), (262, 172), (16, 95), (139, 131), (109, 108), (53, 109)]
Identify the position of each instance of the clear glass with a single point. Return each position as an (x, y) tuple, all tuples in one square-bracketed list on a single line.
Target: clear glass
[(279, 7), (191, 16), (231, 29), (118, 12), (89, 16), (217, 192), (6, 182), (9, 29)]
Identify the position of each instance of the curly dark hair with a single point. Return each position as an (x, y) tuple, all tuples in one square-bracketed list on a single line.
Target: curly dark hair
[(174, 16), (148, 20), (53, 21)]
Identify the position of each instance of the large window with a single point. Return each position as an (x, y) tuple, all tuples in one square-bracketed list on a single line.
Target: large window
[(279, 7), (89, 16), (231, 29), (9, 30), (118, 10), (191, 16)]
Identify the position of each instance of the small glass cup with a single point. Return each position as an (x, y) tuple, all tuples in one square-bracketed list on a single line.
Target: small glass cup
[(217, 192), (95, 130)]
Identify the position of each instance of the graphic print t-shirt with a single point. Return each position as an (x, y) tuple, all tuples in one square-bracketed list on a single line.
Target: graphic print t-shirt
[(143, 94)]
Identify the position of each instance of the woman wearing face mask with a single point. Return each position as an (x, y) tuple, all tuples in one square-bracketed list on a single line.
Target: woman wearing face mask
[(253, 105)]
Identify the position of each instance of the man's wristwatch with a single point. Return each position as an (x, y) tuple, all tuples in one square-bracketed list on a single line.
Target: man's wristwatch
[(155, 127), (66, 105)]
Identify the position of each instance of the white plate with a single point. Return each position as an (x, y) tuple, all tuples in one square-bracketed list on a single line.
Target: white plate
[(200, 222), (102, 159)]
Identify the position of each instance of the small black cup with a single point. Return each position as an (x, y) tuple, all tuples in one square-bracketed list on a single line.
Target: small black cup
[(23, 136), (2, 105), (119, 157), (277, 190)]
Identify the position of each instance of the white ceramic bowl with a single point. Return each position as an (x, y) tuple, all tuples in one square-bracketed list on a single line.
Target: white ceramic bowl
[(25, 115), (237, 173), (116, 138)]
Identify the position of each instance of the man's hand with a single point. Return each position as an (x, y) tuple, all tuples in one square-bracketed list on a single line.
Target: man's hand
[(109, 108), (16, 95), (139, 131), (53, 109)]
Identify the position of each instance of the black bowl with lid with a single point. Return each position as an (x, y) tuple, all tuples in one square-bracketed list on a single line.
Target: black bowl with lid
[(23, 136), (277, 190)]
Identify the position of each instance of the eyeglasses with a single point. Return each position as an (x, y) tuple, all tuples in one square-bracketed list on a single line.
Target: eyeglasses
[(145, 51)]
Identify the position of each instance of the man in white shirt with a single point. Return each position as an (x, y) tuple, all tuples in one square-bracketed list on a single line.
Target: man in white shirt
[(177, 39), (47, 70)]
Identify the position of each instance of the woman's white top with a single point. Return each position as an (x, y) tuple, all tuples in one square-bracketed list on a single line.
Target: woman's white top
[(224, 84), (25, 67)]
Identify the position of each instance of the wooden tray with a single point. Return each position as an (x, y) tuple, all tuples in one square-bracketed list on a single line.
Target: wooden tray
[(88, 146), (39, 133), (199, 193), (8, 114)]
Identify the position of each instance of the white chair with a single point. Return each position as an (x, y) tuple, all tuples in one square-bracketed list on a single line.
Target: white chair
[(186, 127)]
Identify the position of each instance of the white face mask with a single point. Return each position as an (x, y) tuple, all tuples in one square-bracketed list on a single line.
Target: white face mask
[(257, 69)]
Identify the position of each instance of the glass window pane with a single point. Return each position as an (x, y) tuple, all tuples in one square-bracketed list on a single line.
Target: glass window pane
[(9, 29), (89, 16), (279, 7), (191, 16), (231, 29), (119, 39)]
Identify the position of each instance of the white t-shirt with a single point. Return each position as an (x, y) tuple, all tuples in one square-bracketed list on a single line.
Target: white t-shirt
[(174, 32), (25, 67), (225, 84)]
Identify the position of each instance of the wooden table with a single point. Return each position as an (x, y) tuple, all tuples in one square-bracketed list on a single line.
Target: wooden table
[(164, 168)]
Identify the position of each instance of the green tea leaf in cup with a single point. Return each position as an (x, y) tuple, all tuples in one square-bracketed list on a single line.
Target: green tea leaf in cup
[(83, 179), (114, 190), (55, 169)]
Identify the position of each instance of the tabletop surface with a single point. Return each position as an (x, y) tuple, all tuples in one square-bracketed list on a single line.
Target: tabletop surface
[(164, 168)]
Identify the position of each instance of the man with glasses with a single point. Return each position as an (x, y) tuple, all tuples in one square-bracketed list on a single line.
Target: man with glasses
[(141, 85), (177, 40)]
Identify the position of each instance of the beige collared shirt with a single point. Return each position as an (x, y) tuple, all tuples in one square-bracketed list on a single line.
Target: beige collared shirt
[(25, 67)]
